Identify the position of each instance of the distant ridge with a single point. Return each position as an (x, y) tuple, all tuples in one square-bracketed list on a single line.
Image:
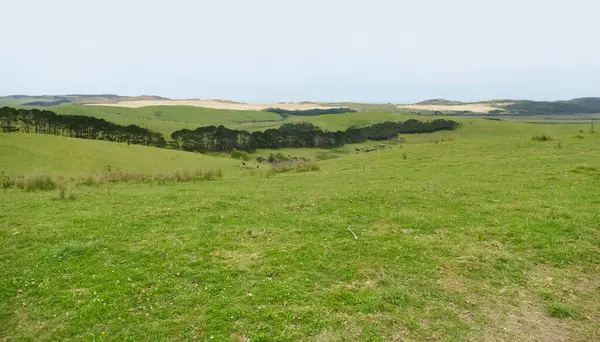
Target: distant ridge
[(56, 100), (583, 105), (439, 102)]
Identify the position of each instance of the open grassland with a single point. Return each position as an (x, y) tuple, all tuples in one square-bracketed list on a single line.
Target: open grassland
[(167, 119), (16, 102), (25, 154), (481, 234)]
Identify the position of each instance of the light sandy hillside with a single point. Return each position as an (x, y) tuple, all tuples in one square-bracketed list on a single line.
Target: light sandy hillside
[(215, 104), (472, 107)]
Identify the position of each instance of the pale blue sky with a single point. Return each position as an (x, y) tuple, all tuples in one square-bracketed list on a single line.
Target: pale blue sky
[(322, 50)]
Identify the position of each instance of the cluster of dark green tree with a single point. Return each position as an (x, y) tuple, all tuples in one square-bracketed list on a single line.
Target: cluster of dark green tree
[(585, 105), (292, 135), (309, 112), (75, 126)]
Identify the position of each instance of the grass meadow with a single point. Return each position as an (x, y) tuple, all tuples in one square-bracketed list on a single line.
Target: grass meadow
[(480, 234)]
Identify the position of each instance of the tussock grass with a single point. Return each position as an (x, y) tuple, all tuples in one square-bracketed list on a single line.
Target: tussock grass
[(298, 166), (542, 137), (35, 182), (463, 242), (584, 170), (51, 182), (561, 311)]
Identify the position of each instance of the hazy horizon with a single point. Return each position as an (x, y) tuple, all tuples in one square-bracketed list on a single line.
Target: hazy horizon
[(334, 51)]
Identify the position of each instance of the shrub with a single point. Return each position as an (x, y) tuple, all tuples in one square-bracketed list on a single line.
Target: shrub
[(543, 137), (241, 155), (281, 157)]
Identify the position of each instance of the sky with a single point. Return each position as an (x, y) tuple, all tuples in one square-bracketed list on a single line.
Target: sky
[(303, 50)]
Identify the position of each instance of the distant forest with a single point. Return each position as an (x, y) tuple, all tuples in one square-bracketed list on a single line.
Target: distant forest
[(309, 112), (75, 126), (589, 105), (208, 138), (293, 135)]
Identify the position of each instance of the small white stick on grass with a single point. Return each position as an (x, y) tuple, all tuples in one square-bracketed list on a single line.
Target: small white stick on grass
[(355, 237)]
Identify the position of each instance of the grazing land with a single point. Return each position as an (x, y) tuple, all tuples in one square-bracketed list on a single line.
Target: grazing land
[(488, 233), (220, 104), (167, 119)]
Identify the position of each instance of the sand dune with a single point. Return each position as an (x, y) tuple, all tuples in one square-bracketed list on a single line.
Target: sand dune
[(216, 104), (472, 107)]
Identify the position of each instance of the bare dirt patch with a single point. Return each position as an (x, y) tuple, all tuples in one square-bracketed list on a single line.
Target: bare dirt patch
[(215, 104), (527, 323)]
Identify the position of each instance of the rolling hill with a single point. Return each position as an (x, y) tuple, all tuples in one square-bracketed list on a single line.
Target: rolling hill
[(24, 154), (486, 233), (589, 105), (56, 100)]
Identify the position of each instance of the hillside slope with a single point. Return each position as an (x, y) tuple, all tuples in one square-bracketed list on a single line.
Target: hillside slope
[(479, 234), (55, 100), (22, 154), (167, 119)]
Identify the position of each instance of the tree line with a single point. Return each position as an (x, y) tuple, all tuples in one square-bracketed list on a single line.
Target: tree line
[(208, 138), (75, 126), (294, 135)]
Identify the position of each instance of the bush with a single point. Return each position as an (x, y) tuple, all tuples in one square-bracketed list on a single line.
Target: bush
[(240, 155), (281, 157), (543, 137)]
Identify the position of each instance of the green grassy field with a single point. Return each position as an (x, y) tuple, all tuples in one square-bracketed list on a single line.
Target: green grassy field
[(480, 234), (16, 102), (166, 119), (23, 154)]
